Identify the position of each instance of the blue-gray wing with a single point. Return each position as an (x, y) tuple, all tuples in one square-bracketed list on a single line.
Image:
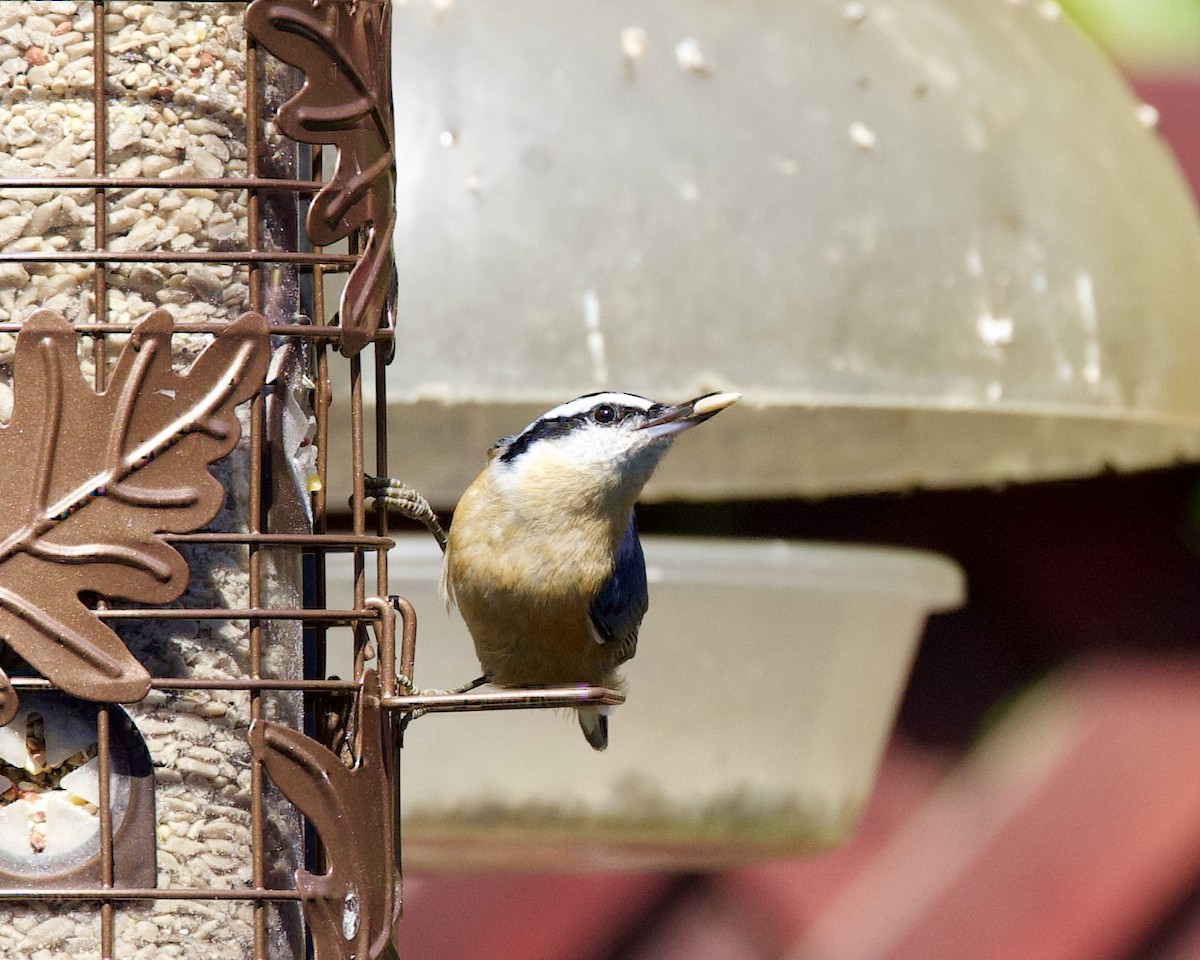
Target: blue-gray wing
[(618, 608)]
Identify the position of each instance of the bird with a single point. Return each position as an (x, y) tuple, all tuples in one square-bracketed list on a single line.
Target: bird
[(543, 558)]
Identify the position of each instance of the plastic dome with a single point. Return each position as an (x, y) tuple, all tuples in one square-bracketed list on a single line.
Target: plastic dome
[(934, 242)]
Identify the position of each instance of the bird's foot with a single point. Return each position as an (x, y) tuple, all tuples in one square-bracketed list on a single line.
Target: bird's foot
[(406, 501), (412, 690)]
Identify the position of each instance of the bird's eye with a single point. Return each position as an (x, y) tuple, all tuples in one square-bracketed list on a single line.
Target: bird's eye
[(605, 413)]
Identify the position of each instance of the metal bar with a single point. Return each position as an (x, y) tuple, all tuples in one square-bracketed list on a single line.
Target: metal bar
[(100, 307), (257, 774), (408, 641), (214, 683), (181, 256), (542, 698), (382, 352), (148, 893), (257, 512), (325, 542), (357, 501), (107, 870), (385, 641), (99, 168), (263, 683), (278, 329), (100, 182), (324, 726), (325, 333), (517, 698), (253, 614)]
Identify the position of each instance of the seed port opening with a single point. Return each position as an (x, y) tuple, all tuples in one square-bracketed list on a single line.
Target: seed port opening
[(52, 818)]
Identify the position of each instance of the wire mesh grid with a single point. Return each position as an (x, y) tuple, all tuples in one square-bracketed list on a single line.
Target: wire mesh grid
[(103, 226)]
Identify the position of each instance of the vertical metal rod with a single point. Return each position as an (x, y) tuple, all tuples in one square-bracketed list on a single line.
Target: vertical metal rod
[(99, 355), (100, 291), (385, 639), (107, 870), (252, 199), (357, 458), (322, 396), (357, 500), (408, 636), (100, 169), (255, 508), (381, 463)]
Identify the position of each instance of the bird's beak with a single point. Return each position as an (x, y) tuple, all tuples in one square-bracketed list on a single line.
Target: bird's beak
[(668, 421)]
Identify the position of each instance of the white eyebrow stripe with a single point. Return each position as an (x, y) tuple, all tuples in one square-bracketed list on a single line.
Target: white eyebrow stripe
[(585, 403)]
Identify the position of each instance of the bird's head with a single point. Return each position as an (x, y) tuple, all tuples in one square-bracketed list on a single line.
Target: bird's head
[(600, 446)]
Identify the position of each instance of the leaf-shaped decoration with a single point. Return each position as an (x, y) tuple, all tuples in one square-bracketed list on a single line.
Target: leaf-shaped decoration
[(344, 49), (91, 478), (352, 909)]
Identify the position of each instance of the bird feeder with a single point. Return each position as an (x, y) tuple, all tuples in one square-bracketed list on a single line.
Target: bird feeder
[(183, 184), (933, 243)]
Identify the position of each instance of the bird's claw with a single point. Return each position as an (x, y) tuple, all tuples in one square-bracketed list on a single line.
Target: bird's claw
[(406, 501), (412, 690)]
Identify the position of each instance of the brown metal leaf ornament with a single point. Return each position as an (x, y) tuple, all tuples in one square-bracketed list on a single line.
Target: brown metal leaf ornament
[(90, 479), (353, 908), (344, 49)]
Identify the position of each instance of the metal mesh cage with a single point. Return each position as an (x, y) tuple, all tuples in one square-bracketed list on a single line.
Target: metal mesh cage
[(147, 172)]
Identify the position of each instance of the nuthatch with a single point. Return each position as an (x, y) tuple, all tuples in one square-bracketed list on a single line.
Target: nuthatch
[(543, 558)]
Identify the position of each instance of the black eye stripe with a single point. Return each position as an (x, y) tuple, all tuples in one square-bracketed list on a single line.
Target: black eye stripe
[(550, 427), (542, 430)]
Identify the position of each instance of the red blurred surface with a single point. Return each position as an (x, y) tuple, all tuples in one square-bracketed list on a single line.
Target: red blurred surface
[(534, 916), (1177, 99)]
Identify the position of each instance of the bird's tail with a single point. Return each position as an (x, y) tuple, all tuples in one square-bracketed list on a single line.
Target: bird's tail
[(593, 721)]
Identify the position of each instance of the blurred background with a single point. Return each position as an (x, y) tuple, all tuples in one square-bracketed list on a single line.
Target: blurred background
[(1040, 794)]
